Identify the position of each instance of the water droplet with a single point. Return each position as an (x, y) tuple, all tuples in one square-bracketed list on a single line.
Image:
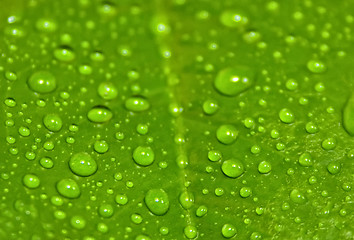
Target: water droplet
[(164, 231), (101, 146), (24, 131), (228, 230), (78, 222), (297, 197), (245, 192), (157, 201), (186, 199), (68, 188), (232, 168), (31, 181), (46, 25), (334, 167), (329, 144), (136, 218), (311, 127), (143, 156), (42, 82), (99, 115), (234, 19), (214, 155), (142, 237), (52, 122), (106, 210), (107, 91), (201, 211), (255, 236), (305, 159), (64, 54), (316, 66), (137, 104), (348, 116), (190, 232), (82, 164), (121, 199), (10, 102), (264, 167), (226, 134), (291, 84), (210, 106), (233, 81), (286, 115), (142, 129), (46, 162)]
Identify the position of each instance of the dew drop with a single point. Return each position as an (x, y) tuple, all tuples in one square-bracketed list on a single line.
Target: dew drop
[(157, 201), (228, 230), (143, 156), (311, 127), (316, 66), (101, 146), (107, 91), (31, 181), (99, 115), (137, 104), (264, 167), (121, 199), (106, 210), (233, 19), (226, 134), (186, 199), (232, 168), (46, 162), (46, 25), (245, 192), (201, 211), (334, 167), (190, 232), (286, 115), (82, 164), (52, 122), (78, 222), (297, 197), (64, 54), (42, 82), (68, 188), (210, 106), (329, 143), (305, 159), (233, 81)]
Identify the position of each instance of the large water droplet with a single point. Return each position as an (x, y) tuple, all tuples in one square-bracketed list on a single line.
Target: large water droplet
[(52, 122), (82, 164), (99, 114), (157, 201), (228, 230), (233, 81), (144, 156), (137, 104), (42, 82), (226, 134), (232, 168), (68, 188)]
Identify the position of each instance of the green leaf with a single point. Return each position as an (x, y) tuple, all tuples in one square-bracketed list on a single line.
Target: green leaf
[(176, 119)]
